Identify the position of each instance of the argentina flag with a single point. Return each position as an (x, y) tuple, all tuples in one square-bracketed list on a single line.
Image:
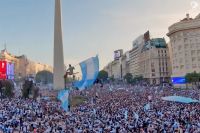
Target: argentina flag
[(90, 71), (63, 96)]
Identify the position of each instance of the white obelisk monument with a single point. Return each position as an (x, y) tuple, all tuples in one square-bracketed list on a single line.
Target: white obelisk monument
[(58, 80)]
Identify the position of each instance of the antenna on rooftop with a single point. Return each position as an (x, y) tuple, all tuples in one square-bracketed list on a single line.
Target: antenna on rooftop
[(5, 46)]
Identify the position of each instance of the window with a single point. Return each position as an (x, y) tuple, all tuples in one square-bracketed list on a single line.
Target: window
[(185, 39), (194, 66), (153, 74), (193, 52), (198, 52), (152, 64), (193, 59), (179, 47), (182, 66), (186, 46)]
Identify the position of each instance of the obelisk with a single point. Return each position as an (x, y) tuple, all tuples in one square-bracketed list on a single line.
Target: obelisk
[(58, 71)]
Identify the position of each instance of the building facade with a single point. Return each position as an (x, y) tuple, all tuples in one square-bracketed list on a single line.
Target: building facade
[(118, 68), (134, 55), (148, 58), (23, 67), (185, 47), (154, 62)]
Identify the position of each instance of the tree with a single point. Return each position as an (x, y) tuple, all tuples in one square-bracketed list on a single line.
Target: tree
[(26, 90), (112, 78), (44, 76), (35, 92), (138, 78), (7, 88), (193, 78), (103, 75), (128, 78), (29, 89)]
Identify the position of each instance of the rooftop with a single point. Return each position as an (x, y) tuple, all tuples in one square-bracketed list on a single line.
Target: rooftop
[(155, 42)]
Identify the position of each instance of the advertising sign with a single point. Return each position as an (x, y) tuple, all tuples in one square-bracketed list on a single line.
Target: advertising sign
[(6, 70), (3, 68), (10, 71), (117, 54), (178, 80)]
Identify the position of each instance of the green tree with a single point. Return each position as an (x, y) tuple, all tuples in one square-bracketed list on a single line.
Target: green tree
[(112, 78), (138, 78), (103, 75), (29, 89), (35, 92), (7, 88), (26, 89), (193, 78), (128, 78), (45, 77)]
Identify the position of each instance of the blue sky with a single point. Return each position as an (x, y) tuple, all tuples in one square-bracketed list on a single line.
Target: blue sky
[(90, 27)]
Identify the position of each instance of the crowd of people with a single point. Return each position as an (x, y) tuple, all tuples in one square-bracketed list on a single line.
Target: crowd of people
[(108, 109)]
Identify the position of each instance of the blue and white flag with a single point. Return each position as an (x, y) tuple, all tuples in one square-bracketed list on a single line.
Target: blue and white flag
[(126, 114), (147, 107), (63, 96), (136, 116), (94, 111), (179, 99), (110, 88), (90, 71)]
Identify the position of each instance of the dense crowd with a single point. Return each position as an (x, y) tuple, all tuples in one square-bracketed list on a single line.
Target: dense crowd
[(109, 109)]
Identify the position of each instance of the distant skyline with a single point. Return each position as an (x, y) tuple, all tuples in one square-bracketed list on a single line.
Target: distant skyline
[(90, 27)]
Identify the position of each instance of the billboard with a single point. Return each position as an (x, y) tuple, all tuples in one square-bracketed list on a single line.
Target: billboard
[(10, 71), (118, 54), (6, 70), (3, 69), (178, 80)]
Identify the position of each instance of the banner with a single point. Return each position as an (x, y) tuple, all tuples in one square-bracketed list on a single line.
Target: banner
[(3, 69), (178, 80), (179, 99), (10, 71), (118, 54)]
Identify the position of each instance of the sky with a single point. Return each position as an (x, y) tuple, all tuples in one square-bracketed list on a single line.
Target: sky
[(90, 27)]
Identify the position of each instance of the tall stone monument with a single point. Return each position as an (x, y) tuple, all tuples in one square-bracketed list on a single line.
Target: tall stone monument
[(58, 81)]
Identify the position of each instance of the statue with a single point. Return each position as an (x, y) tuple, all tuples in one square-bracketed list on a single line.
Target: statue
[(69, 71)]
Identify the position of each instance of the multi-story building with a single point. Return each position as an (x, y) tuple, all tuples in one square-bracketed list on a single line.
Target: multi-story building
[(185, 48), (134, 55), (23, 67), (125, 63), (119, 67), (148, 58), (154, 61)]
